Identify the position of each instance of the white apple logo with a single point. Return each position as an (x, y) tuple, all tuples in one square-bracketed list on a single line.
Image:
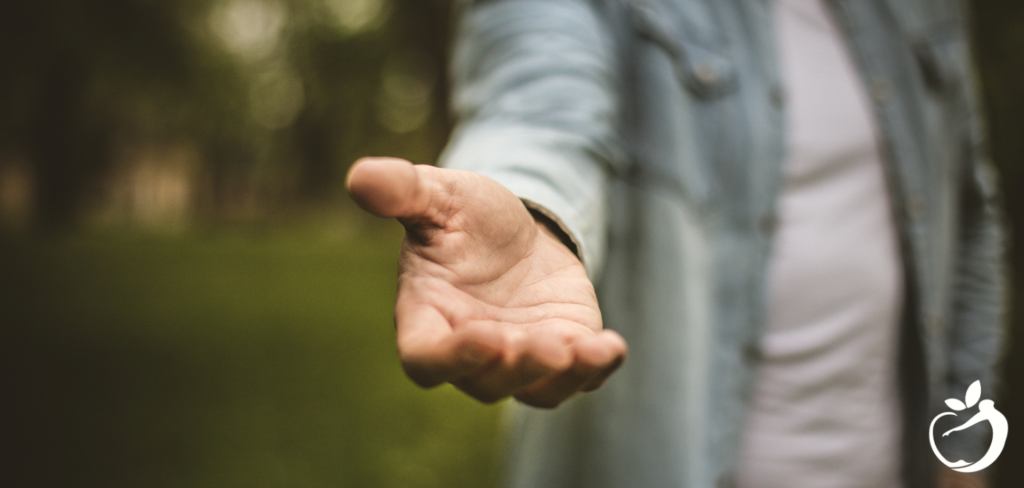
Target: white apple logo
[(986, 412)]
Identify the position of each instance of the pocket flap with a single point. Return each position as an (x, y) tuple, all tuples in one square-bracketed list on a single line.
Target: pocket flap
[(705, 72), (940, 53)]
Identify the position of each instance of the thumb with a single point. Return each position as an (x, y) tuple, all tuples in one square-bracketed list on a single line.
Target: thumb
[(392, 187), (425, 198)]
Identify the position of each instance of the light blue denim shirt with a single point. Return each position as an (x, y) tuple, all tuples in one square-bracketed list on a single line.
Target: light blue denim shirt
[(652, 132)]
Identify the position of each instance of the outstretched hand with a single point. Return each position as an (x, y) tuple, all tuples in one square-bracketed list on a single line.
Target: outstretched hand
[(488, 299)]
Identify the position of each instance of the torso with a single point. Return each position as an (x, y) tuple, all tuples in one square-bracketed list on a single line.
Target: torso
[(824, 405)]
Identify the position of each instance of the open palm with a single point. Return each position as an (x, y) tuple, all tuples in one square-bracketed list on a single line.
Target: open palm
[(488, 299)]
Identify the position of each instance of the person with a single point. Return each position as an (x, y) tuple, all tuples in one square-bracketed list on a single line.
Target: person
[(783, 207)]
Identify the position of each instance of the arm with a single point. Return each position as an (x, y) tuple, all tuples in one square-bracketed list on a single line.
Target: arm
[(535, 85)]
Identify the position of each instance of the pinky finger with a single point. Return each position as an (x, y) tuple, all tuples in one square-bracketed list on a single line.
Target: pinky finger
[(614, 347)]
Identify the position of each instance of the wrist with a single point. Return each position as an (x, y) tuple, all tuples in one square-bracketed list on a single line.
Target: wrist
[(551, 228)]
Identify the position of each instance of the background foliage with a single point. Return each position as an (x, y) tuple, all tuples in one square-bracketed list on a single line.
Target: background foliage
[(187, 297)]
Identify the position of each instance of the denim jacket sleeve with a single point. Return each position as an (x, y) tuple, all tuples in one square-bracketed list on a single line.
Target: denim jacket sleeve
[(534, 89)]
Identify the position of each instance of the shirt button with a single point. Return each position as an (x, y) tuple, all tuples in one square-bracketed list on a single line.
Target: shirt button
[(880, 90), (706, 73)]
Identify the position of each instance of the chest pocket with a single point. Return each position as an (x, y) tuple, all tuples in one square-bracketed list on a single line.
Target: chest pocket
[(932, 28), (684, 109), (706, 73)]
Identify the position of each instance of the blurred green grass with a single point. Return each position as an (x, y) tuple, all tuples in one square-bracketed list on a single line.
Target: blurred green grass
[(224, 360)]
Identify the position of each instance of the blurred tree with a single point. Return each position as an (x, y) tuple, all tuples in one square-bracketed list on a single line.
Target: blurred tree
[(348, 63), (279, 96), (78, 73)]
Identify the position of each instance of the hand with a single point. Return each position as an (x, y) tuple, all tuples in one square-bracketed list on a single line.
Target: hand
[(488, 299)]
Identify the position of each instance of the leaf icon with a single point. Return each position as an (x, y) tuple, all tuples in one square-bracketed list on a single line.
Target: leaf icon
[(955, 404), (973, 394)]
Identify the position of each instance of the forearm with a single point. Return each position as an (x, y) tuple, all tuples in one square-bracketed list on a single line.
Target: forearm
[(535, 92)]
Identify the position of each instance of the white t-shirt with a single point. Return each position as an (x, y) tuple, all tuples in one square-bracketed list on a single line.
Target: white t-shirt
[(824, 412)]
